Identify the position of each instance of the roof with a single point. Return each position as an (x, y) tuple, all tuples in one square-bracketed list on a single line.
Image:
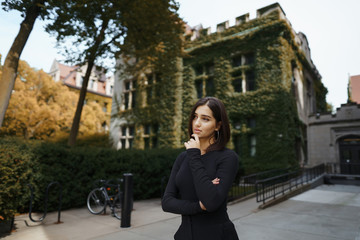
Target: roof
[(65, 70)]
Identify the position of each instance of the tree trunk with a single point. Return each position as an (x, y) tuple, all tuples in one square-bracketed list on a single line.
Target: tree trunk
[(90, 61), (76, 121), (9, 71)]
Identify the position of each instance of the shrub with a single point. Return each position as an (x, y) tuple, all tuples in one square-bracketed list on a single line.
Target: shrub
[(16, 171), (76, 169)]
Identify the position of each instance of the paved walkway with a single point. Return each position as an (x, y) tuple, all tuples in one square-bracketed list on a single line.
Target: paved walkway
[(325, 213)]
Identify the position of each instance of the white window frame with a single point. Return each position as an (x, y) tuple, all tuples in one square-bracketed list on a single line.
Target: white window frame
[(127, 137), (130, 92)]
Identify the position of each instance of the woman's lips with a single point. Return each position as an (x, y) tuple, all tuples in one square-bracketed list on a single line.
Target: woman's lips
[(197, 130)]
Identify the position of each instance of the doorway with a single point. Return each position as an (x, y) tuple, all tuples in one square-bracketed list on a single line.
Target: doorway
[(349, 148)]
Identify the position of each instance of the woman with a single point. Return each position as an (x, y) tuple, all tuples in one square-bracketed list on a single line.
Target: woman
[(202, 176)]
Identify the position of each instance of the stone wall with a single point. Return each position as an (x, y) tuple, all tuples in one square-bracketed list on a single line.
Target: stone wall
[(325, 130)]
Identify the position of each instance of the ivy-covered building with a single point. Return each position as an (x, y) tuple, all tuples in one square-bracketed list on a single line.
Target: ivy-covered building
[(261, 69)]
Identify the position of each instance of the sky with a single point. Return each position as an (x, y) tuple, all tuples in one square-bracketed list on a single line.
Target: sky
[(331, 26)]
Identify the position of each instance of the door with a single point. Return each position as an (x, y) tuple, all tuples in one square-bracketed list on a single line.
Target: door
[(349, 148)]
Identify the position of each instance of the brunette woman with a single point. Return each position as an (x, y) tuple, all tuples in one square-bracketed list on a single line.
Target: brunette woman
[(202, 176)]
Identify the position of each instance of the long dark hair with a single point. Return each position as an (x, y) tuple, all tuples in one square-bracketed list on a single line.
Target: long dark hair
[(220, 115)]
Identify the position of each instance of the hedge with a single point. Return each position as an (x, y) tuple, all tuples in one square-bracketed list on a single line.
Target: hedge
[(76, 169)]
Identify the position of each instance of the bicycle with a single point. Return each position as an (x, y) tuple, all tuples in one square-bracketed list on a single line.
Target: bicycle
[(99, 198)]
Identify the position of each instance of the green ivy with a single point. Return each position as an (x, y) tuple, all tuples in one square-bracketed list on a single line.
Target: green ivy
[(278, 129)]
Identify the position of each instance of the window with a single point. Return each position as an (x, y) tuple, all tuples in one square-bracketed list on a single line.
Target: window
[(129, 95), (150, 79), (236, 61), (243, 77), (92, 84), (150, 135), (309, 97), (126, 137), (131, 131), (252, 145), (105, 126), (251, 123), (149, 94), (149, 88), (198, 70), (147, 129), (105, 107), (237, 84), (199, 88), (133, 99), (127, 85), (250, 81), (210, 88), (126, 100), (152, 87), (204, 82), (209, 69), (249, 58)]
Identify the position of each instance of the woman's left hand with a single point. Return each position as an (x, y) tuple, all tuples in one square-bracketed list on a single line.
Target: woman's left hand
[(193, 142)]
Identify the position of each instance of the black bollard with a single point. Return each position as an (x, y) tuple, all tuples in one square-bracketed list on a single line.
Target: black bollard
[(127, 201)]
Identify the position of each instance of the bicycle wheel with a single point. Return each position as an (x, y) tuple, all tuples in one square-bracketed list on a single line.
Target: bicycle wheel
[(117, 205), (96, 201)]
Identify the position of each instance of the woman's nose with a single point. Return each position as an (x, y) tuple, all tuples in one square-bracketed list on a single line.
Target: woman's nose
[(197, 122)]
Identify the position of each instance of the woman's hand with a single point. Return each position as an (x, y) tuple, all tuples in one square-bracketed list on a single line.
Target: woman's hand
[(216, 181), (202, 206), (194, 142)]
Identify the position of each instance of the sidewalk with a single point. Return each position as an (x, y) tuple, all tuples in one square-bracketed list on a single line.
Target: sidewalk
[(325, 213)]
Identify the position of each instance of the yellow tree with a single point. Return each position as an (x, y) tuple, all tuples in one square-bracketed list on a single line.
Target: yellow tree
[(40, 108), (30, 10)]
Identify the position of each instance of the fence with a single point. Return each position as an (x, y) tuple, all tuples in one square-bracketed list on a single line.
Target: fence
[(269, 184), (271, 187), (246, 185)]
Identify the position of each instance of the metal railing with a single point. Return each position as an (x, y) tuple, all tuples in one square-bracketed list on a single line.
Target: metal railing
[(246, 185), (272, 187)]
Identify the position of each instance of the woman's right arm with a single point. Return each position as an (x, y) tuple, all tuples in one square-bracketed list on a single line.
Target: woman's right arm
[(170, 201)]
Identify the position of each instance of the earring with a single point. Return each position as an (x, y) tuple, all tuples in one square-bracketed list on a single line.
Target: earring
[(217, 134)]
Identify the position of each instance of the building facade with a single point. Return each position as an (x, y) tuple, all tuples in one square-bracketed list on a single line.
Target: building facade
[(335, 138), (261, 69), (100, 87)]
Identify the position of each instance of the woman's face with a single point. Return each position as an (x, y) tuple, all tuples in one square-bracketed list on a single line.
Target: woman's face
[(204, 124)]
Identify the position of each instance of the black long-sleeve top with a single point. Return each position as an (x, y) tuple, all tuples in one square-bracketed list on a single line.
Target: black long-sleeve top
[(190, 182)]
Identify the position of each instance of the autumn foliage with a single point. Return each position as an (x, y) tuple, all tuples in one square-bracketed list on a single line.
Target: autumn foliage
[(41, 108)]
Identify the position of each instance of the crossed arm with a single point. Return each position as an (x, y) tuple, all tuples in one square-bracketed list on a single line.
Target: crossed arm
[(210, 192)]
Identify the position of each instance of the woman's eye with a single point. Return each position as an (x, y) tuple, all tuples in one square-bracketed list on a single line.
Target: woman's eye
[(205, 119)]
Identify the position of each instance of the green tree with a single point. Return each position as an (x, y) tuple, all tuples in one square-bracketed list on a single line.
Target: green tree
[(97, 30), (30, 10), (41, 108)]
